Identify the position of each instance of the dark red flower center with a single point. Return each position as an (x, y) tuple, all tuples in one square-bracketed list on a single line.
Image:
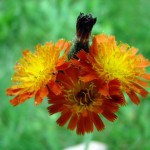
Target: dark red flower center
[(84, 97)]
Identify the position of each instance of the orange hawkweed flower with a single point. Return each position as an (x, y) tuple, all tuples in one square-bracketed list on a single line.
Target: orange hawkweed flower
[(82, 103), (111, 61), (36, 71)]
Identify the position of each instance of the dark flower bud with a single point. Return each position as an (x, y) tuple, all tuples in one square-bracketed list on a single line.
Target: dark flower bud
[(84, 27)]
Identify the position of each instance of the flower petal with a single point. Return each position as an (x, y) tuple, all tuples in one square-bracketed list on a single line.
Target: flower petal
[(80, 125), (64, 118), (135, 99), (54, 87), (109, 115), (13, 91), (73, 122), (43, 92), (20, 98), (97, 121)]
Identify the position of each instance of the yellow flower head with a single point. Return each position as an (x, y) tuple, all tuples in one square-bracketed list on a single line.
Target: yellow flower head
[(36, 71), (111, 61)]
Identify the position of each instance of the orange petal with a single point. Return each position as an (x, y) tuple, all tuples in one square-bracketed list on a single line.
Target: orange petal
[(43, 92), (97, 121), (63, 45), (94, 47), (61, 61), (141, 82), (114, 91), (54, 108), (109, 115), (110, 105), (72, 73), (53, 99), (66, 82), (104, 90), (25, 53), (89, 77), (134, 97), (140, 90), (64, 118), (75, 62), (114, 82), (73, 122), (15, 101), (82, 55), (133, 50), (54, 87), (146, 76), (85, 67), (38, 99), (88, 123), (13, 91), (119, 99), (144, 63), (62, 65), (21, 98), (80, 125)]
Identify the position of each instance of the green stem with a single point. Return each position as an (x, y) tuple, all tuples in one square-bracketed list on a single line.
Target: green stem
[(87, 140)]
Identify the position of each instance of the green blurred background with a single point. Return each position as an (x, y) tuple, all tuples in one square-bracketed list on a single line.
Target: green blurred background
[(23, 24)]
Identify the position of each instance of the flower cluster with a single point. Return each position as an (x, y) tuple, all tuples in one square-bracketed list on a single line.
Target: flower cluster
[(82, 82)]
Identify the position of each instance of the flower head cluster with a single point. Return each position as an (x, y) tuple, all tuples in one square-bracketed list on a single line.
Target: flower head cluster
[(89, 85)]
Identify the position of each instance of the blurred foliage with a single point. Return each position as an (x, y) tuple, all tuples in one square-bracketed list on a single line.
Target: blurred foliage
[(23, 24)]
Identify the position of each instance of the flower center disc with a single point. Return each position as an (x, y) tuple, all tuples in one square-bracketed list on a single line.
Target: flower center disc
[(84, 97)]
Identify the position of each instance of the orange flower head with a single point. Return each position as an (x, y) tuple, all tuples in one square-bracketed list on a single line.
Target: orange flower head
[(36, 71), (82, 103), (111, 61)]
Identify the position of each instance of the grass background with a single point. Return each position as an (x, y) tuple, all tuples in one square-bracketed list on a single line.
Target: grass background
[(23, 24)]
